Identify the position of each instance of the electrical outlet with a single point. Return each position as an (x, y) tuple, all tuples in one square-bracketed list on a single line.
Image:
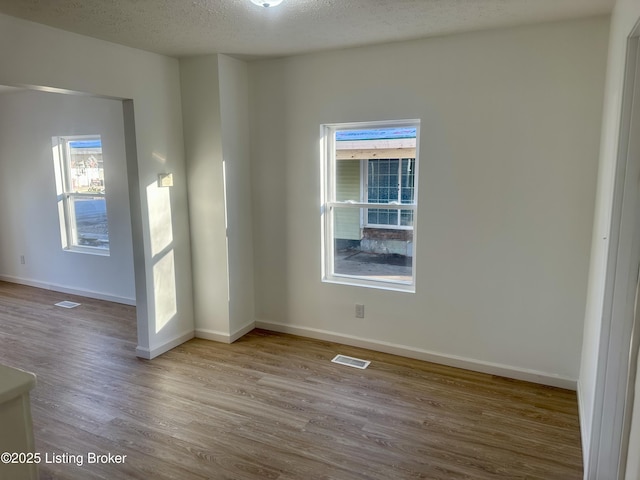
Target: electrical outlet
[(22, 262), (359, 310)]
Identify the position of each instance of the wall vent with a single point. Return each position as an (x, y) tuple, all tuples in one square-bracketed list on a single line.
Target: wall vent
[(67, 304), (351, 362)]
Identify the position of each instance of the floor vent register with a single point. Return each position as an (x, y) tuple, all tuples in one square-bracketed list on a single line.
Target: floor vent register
[(67, 304), (351, 362)]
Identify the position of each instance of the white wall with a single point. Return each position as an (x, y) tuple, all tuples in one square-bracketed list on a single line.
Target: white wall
[(32, 54), (203, 149), (234, 112), (28, 205), (509, 143), (216, 124), (625, 15)]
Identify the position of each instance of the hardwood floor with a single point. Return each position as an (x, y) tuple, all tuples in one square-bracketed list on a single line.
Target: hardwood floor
[(270, 406)]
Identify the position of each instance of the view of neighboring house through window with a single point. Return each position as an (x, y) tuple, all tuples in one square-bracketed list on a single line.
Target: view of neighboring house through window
[(80, 186), (390, 180), (370, 203)]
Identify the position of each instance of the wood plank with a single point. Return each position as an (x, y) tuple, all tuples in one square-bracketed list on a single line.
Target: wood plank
[(270, 406), (366, 154), (392, 143)]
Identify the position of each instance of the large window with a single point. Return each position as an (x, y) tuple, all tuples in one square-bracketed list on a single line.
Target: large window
[(370, 175), (80, 188)]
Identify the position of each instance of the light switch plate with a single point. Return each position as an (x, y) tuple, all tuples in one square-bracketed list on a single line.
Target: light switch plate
[(165, 179)]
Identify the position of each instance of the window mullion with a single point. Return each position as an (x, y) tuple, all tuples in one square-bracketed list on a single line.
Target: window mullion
[(399, 194), (402, 206), (70, 219)]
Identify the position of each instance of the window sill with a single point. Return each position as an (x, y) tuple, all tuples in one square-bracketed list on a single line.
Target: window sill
[(367, 282), (88, 251)]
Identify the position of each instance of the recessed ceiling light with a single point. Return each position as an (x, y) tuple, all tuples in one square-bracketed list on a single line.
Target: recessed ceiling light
[(267, 3)]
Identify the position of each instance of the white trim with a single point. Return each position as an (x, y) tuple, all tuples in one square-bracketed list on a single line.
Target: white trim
[(224, 337), (491, 368), (371, 282), (83, 249), (150, 354), (608, 437), (584, 433), (329, 203), (212, 335), (241, 332), (70, 290), (386, 206)]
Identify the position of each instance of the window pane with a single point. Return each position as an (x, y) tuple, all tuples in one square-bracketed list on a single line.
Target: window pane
[(80, 185), (373, 253), (406, 218), (393, 173), (347, 223), (90, 214), (371, 164), (348, 180), (384, 181), (407, 181), (86, 170), (382, 216)]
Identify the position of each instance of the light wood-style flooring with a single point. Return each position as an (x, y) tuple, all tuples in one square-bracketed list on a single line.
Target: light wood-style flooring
[(270, 406)]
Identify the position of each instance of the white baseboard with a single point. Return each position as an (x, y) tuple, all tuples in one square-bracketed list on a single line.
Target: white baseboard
[(212, 335), (223, 337), (149, 354), (420, 354), (241, 332), (71, 291)]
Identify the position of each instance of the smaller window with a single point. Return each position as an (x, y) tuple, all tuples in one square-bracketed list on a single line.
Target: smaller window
[(80, 186), (390, 180), (370, 203)]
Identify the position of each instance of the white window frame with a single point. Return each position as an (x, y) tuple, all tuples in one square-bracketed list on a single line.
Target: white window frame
[(65, 195), (329, 203)]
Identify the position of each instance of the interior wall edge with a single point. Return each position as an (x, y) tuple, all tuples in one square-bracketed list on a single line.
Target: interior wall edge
[(217, 336), (212, 335), (582, 412), (151, 353)]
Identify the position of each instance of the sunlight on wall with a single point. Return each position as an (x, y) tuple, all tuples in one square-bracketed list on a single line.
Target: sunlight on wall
[(55, 151), (164, 288), (161, 236), (226, 225), (160, 226), (159, 158), (323, 175)]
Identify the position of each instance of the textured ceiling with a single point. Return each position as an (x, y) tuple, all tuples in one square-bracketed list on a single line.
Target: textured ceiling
[(237, 27)]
